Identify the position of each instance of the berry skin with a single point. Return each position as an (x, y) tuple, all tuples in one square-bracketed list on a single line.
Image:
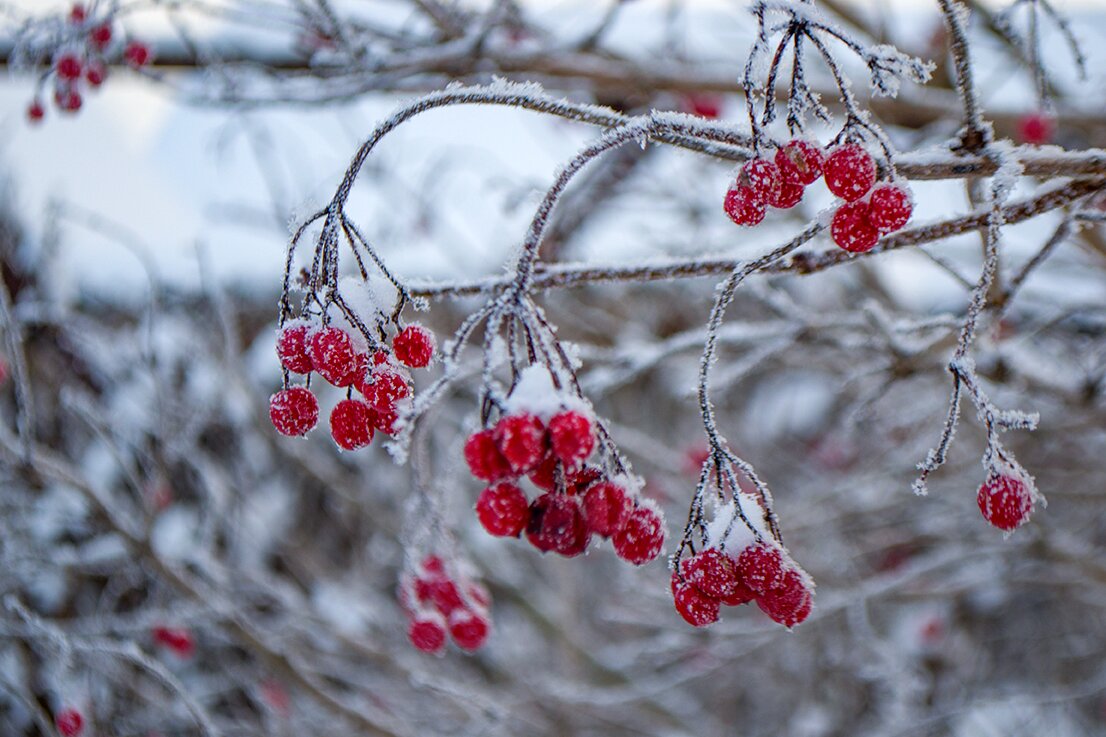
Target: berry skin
[(556, 524), (713, 573), (740, 595), (69, 722), (696, 608), (177, 640), (545, 475), (137, 54), (332, 355), (889, 208), (95, 73), (851, 230), (427, 633), (743, 207), (788, 196), (414, 346), (351, 424), (100, 36), (483, 457), (1005, 502), (572, 437), (469, 629), (68, 67), (789, 604), (293, 411), (522, 441), (760, 568), (35, 112), (607, 507), (800, 162), (762, 177), (640, 540), (384, 420), (384, 388), (503, 510), (292, 350), (850, 171)]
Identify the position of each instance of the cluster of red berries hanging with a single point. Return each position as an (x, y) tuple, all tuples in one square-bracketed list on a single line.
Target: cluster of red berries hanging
[(83, 61), (1005, 501), (438, 603), (548, 438), (380, 378)]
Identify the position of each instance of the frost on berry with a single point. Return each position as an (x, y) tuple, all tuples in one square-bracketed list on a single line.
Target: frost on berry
[(697, 609), (414, 346), (483, 457), (640, 540), (556, 524), (713, 573), (522, 440), (351, 424), (333, 356), (292, 349), (760, 567), (743, 207), (851, 230), (427, 632), (384, 420), (800, 162), (889, 208), (607, 507), (788, 196), (850, 171), (1005, 502), (469, 629), (293, 411), (790, 603), (69, 722), (503, 510), (762, 178), (438, 590), (382, 388), (572, 437)]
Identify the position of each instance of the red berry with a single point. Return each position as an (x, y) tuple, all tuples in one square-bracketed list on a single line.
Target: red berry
[(1005, 502), (740, 595), (850, 171), (179, 641), (351, 424), (100, 36), (35, 112), (503, 510), (384, 420), (703, 104), (762, 177), (522, 441), (483, 457), (696, 608), (760, 568), (788, 196), (383, 388), (607, 507), (77, 14), (427, 632), (800, 162), (68, 100), (433, 565), (95, 73), (889, 208), (137, 54), (440, 591), (333, 356), (68, 67), (714, 573), (851, 230), (640, 540), (743, 207), (789, 604), (572, 437), (580, 481), (557, 524), (414, 346), (545, 475), (69, 722), (293, 411), (1036, 129), (469, 629), (292, 349), (478, 594)]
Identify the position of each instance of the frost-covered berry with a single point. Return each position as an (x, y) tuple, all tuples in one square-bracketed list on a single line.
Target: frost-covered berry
[(68, 100), (545, 475), (572, 437), (714, 573), (293, 411), (351, 424), (384, 420), (177, 640), (760, 568), (850, 171), (69, 722), (640, 540), (851, 230), (35, 111), (137, 54), (556, 524), (522, 440), (762, 177), (68, 67), (383, 388), (1005, 502), (77, 14), (333, 356), (607, 507), (788, 196), (100, 36), (427, 632), (95, 73), (1036, 129), (743, 207), (580, 481), (439, 590), (414, 346), (483, 457), (889, 208), (292, 349), (800, 162), (741, 594), (790, 603), (503, 510), (469, 629), (697, 609)]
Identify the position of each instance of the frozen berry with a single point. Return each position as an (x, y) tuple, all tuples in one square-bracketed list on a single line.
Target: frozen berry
[(790, 603), (640, 540), (697, 609), (293, 411), (100, 36), (714, 573), (740, 595), (483, 457), (383, 388), (1036, 129), (743, 207), (384, 420), (68, 100), (572, 437), (77, 14), (851, 230), (545, 475), (414, 346), (850, 171), (440, 591), (760, 568), (68, 67), (333, 356), (889, 208), (703, 104), (762, 177), (351, 424), (292, 349), (1005, 502), (35, 111), (503, 510), (556, 524), (137, 54), (176, 640), (427, 632), (800, 162), (469, 629), (579, 482), (523, 442), (607, 507), (69, 722), (95, 73), (788, 196)]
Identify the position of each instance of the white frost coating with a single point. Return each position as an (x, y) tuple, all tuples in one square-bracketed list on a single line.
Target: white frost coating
[(335, 604), (728, 532), (176, 533), (535, 394)]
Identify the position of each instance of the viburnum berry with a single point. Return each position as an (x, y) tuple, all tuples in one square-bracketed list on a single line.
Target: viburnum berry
[(571, 437), (762, 177), (790, 603), (100, 36), (414, 346), (483, 457), (478, 594), (522, 440), (851, 230), (427, 632), (850, 171), (384, 420), (469, 629), (439, 590), (68, 99), (800, 162), (35, 111), (293, 411), (1036, 129), (741, 594), (1005, 502), (69, 722), (714, 573), (545, 475), (580, 481), (557, 524), (889, 208), (137, 54), (68, 67), (383, 388), (333, 356), (760, 568), (607, 507), (697, 609), (788, 196), (640, 540), (95, 73), (351, 424), (178, 641), (77, 14), (743, 207), (292, 349), (503, 510)]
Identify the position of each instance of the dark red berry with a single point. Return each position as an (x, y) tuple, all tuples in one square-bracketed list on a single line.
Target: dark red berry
[(523, 442), (1036, 129), (850, 171), (483, 457), (762, 177), (800, 162), (740, 595), (697, 609), (351, 424), (68, 67), (607, 507), (889, 208), (383, 388), (95, 73), (640, 540), (788, 196), (69, 722), (77, 14), (414, 346), (572, 437), (503, 510), (1005, 502), (743, 207), (580, 481), (178, 641), (556, 524), (293, 411), (68, 100), (545, 475), (469, 629), (35, 111), (790, 603), (384, 420), (851, 230), (760, 568), (137, 54), (714, 573), (333, 356), (292, 349), (427, 632), (100, 36), (440, 591), (703, 104)]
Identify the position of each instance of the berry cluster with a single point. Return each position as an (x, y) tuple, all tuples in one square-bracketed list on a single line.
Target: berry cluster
[(436, 603), (1005, 501), (84, 60), (380, 378), (780, 183), (69, 722)]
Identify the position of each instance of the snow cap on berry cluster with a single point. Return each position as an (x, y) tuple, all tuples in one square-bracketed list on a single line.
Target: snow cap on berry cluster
[(536, 395), (729, 532)]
